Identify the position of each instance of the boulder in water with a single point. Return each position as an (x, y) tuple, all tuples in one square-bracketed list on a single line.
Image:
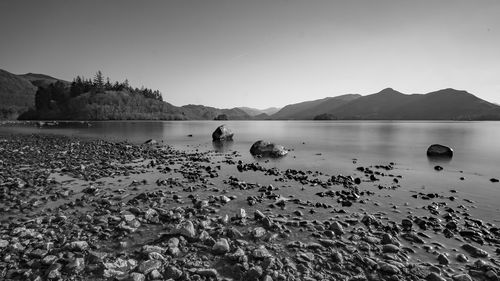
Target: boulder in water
[(267, 149), (438, 150), (222, 133), (151, 142)]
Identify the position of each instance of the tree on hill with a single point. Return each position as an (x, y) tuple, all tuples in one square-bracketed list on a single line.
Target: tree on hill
[(99, 82)]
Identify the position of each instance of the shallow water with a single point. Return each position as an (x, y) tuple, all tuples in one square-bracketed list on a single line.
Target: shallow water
[(338, 147)]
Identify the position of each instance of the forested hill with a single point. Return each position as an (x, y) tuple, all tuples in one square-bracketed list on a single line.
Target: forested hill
[(99, 99)]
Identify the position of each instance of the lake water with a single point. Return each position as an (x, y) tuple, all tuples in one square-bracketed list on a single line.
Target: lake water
[(337, 147)]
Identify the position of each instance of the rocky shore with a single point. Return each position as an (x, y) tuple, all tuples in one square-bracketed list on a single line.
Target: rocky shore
[(81, 209)]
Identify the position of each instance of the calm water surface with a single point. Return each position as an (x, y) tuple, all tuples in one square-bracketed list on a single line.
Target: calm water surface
[(337, 147)]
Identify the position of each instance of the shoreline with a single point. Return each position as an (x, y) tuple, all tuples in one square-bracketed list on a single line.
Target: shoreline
[(86, 208)]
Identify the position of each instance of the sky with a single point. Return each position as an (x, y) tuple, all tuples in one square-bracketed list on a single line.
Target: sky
[(259, 53)]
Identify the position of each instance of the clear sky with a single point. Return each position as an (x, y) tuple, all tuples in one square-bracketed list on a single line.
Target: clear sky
[(259, 53)]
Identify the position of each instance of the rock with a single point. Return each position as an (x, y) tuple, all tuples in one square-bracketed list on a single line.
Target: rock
[(442, 259), (146, 249), (258, 232), (475, 251), (433, 276), (389, 269), (241, 214), (172, 272), (185, 229), (79, 245), (337, 228), (221, 246), (155, 275), (261, 252), (438, 150), (147, 266), (222, 133), (267, 149), (258, 215), (95, 257), (206, 272), (254, 273), (462, 258), (151, 142), (4, 243), (389, 239), (461, 277), (136, 276), (75, 265), (390, 248)]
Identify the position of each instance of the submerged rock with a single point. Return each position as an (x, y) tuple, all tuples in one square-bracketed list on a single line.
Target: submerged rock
[(438, 150), (222, 133), (267, 149)]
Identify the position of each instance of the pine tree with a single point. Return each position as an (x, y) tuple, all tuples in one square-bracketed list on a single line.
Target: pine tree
[(99, 81)]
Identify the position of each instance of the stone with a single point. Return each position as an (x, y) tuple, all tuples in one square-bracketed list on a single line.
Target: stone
[(267, 149), (79, 245), (4, 243), (258, 215), (207, 272), (389, 268), (172, 272), (147, 266), (254, 273), (433, 276), (442, 259), (258, 232), (461, 277), (261, 252), (75, 266), (337, 228), (185, 229), (155, 275), (390, 248), (151, 142), (136, 276), (475, 251), (221, 246), (462, 258), (222, 133), (241, 214), (438, 150)]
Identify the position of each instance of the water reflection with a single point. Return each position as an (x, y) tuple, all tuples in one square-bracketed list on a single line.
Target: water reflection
[(438, 159), (222, 146)]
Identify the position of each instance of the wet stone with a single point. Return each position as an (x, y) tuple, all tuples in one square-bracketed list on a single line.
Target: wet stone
[(221, 246), (147, 266)]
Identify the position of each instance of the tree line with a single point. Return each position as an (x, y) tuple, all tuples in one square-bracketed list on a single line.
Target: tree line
[(99, 99), (81, 85)]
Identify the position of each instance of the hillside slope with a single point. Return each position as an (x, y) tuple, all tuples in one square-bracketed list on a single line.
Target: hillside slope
[(308, 109), (16, 95)]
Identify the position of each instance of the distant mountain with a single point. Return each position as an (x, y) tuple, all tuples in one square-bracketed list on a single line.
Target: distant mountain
[(375, 106), (389, 104), (16, 95), (254, 112), (309, 109), (202, 112), (447, 104)]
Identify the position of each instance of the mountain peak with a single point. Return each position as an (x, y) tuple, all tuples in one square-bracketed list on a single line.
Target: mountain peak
[(389, 91)]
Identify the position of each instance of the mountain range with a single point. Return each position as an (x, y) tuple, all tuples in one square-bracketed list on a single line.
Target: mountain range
[(17, 95), (389, 104)]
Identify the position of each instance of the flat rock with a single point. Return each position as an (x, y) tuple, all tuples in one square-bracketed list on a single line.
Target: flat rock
[(475, 251)]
